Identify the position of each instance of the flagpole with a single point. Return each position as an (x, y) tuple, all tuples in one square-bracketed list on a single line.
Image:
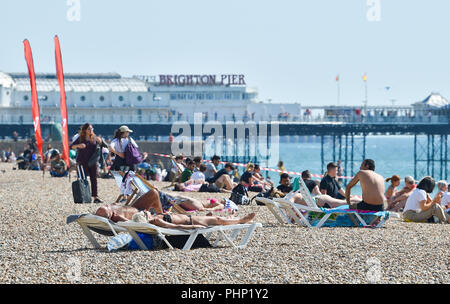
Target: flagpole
[(366, 99), (339, 91), (365, 104), (338, 83)]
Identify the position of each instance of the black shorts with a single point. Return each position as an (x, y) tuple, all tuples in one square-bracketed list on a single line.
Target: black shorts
[(368, 207)]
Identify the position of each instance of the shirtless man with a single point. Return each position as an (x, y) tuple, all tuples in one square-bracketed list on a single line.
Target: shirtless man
[(181, 221), (372, 185)]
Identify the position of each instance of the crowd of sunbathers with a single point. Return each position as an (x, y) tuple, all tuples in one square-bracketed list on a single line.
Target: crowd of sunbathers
[(192, 175)]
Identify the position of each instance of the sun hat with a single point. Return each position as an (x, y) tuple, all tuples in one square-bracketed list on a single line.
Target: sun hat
[(140, 217), (125, 129)]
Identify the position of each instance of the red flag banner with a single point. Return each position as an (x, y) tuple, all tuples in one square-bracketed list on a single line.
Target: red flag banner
[(34, 96), (63, 105)]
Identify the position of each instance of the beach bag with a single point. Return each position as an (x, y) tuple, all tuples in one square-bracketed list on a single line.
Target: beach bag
[(132, 155), (81, 190), (239, 195)]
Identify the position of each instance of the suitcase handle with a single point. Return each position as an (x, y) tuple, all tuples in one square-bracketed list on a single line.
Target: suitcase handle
[(82, 177)]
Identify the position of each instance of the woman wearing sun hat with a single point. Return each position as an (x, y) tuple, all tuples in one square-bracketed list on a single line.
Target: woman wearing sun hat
[(118, 146)]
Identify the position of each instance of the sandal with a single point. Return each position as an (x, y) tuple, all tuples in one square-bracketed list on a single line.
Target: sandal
[(98, 201)]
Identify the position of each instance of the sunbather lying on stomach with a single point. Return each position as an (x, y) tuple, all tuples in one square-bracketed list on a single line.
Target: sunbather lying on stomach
[(158, 201), (181, 221)]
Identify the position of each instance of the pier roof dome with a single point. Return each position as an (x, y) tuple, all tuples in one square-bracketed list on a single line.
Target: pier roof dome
[(434, 100)]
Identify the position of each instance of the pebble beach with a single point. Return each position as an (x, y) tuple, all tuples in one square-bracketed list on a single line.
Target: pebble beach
[(37, 246)]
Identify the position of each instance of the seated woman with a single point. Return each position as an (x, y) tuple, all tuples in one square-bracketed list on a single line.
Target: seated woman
[(392, 189), (420, 207), (181, 221), (259, 179), (247, 180)]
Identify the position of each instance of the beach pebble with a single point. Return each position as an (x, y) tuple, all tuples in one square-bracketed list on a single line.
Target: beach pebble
[(37, 246)]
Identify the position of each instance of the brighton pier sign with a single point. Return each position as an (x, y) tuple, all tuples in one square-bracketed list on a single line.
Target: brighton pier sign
[(202, 80)]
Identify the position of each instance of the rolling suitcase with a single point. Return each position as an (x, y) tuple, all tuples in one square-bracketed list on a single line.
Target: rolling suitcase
[(80, 188)]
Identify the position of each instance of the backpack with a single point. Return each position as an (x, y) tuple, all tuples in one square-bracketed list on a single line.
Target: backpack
[(239, 195), (132, 155)]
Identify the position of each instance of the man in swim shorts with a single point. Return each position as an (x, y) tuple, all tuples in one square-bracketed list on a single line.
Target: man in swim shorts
[(372, 185)]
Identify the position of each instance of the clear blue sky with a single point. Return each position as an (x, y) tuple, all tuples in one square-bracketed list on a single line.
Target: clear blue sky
[(289, 50)]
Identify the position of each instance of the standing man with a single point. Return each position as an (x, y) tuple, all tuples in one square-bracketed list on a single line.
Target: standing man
[(372, 185)]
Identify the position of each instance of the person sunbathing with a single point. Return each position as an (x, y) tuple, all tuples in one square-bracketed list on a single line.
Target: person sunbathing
[(181, 221), (119, 213), (158, 201), (372, 185), (322, 200), (260, 179)]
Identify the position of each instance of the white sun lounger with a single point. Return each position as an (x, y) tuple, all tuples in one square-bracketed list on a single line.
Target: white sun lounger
[(98, 224), (133, 228), (285, 211)]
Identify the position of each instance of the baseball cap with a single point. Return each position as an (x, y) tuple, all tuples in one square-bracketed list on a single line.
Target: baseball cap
[(125, 129)]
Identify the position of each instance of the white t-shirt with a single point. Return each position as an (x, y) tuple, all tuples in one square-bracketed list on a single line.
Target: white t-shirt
[(445, 199), (120, 147), (197, 175), (413, 202)]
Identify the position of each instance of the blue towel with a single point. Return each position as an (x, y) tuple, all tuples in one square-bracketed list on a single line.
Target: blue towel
[(339, 217)]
